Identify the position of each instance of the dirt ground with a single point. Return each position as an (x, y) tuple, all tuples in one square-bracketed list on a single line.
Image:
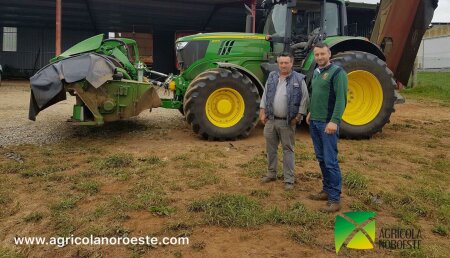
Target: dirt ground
[(57, 179)]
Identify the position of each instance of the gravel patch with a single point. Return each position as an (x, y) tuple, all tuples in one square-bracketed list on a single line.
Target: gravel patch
[(51, 126)]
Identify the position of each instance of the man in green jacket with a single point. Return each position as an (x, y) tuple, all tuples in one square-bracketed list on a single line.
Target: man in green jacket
[(328, 101)]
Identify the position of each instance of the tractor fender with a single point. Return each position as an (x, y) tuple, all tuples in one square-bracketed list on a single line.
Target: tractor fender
[(246, 72), (356, 44)]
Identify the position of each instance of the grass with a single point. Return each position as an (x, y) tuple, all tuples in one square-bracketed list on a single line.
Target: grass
[(197, 180), (63, 222), (297, 215), (234, 210), (116, 161), (302, 236), (107, 230), (303, 153), (431, 85), (436, 196), (229, 210), (151, 160), (4, 198), (65, 204), (7, 253), (162, 210), (178, 228), (146, 195), (354, 180), (145, 199), (408, 205), (441, 230), (34, 217), (443, 213), (88, 187), (260, 193), (256, 167)]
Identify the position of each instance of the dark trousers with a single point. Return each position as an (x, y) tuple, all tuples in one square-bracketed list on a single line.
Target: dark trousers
[(325, 147)]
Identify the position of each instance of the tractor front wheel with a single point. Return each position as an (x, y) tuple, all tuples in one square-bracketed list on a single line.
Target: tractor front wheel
[(222, 104), (371, 94)]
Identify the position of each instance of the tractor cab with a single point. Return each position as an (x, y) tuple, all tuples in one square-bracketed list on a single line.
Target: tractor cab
[(306, 21)]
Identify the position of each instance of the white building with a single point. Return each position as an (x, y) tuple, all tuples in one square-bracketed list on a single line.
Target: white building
[(434, 52)]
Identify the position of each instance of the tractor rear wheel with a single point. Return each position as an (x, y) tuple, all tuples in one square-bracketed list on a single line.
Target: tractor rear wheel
[(371, 94), (222, 104)]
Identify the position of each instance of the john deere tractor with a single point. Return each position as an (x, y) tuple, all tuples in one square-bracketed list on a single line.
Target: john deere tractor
[(223, 74)]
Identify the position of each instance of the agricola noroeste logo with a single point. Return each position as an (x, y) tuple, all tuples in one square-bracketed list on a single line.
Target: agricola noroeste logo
[(355, 229)]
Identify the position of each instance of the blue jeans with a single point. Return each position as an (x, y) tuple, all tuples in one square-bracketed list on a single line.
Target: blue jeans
[(325, 147)]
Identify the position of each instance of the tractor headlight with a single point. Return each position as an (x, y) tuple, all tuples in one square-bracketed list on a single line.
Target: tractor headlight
[(172, 85), (181, 45)]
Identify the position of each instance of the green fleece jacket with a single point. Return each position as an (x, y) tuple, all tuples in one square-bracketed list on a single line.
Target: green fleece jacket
[(329, 94)]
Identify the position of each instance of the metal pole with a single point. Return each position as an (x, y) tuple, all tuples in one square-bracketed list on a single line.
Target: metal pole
[(423, 54), (254, 16), (414, 74), (58, 28)]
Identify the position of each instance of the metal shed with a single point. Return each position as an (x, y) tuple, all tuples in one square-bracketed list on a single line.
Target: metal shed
[(29, 25)]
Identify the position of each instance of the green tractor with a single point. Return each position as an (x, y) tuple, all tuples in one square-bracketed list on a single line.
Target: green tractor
[(222, 75)]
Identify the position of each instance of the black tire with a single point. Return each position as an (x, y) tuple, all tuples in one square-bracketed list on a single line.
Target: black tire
[(355, 60), (203, 86)]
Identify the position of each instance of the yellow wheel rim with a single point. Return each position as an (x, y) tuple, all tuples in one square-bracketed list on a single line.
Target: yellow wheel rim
[(364, 99), (225, 107)]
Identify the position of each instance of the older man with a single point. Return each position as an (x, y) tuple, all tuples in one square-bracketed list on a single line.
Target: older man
[(283, 104)]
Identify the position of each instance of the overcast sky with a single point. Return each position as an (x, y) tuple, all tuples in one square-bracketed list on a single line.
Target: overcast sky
[(442, 13)]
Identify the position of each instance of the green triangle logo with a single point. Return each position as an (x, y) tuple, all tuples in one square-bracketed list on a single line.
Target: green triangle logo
[(357, 229)]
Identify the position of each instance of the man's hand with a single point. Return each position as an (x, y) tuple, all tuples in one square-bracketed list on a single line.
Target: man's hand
[(307, 118), (296, 119), (331, 128), (262, 116)]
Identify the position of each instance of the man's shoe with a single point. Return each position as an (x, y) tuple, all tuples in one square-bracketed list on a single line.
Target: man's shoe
[(267, 179), (288, 186), (331, 207), (322, 196)]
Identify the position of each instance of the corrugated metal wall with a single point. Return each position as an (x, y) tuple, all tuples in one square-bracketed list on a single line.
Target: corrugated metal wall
[(35, 47)]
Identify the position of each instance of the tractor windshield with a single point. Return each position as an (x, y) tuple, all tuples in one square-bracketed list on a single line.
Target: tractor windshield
[(306, 18), (276, 21), (276, 24)]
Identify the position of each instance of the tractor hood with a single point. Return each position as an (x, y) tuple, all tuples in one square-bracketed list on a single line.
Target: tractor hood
[(201, 49), (221, 36), (87, 45)]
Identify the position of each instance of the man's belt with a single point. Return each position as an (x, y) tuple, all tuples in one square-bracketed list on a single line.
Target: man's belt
[(279, 118)]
